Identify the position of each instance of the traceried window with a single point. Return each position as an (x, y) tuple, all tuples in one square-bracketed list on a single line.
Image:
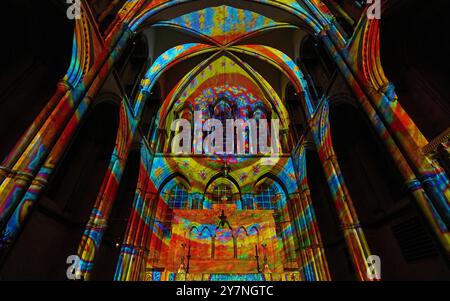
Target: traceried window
[(267, 197), (222, 194), (178, 198)]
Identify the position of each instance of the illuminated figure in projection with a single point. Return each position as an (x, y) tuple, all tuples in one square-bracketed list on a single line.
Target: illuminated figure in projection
[(184, 140)]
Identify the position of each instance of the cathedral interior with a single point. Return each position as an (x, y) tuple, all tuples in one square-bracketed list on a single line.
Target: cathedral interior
[(357, 170)]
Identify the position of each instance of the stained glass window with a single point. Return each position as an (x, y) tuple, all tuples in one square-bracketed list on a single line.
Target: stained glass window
[(178, 198), (222, 194), (267, 197)]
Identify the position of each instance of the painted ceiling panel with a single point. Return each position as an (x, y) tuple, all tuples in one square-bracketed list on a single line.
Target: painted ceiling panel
[(223, 78), (155, 6), (224, 24)]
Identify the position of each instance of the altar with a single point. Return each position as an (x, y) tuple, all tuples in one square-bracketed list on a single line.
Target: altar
[(224, 240)]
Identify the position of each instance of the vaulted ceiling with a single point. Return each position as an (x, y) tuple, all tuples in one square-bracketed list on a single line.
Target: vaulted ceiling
[(246, 54)]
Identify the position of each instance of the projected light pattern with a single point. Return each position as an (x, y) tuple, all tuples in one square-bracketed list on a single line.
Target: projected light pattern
[(223, 24), (269, 224)]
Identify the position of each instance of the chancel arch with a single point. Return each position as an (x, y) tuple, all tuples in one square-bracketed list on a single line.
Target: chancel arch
[(352, 174)]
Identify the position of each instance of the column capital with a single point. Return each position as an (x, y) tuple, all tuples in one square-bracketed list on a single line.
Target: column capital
[(22, 176), (40, 181)]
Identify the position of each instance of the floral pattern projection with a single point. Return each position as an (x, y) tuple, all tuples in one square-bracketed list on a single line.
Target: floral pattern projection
[(253, 219), (223, 76)]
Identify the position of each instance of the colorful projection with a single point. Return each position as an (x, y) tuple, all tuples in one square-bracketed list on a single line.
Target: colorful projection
[(200, 244), (221, 217), (223, 78), (224, 24), (290, 6)]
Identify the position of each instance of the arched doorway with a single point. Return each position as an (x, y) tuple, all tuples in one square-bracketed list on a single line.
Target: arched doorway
[(55, 228)]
